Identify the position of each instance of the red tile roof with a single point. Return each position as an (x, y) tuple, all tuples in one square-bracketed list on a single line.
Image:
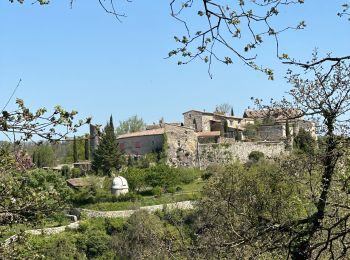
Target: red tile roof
[(158, 131)]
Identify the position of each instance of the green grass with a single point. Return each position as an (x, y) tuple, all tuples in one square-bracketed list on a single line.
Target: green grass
[(191, 191), (56, 221), (145, 201)]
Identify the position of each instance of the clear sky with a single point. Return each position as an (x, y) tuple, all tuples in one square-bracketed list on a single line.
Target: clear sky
[(83, 59)]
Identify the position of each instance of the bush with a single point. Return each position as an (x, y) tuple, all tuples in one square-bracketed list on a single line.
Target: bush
[(76, 173), (163, 176), (135, 177), (256, 156), (84, 196), (65, 171), (305, 142), (188, 175), (96, 243), (157, 191), (171, 190), (130, 196), (211, 169)]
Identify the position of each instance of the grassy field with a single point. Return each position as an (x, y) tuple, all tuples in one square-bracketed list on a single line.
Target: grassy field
[(190, 191)]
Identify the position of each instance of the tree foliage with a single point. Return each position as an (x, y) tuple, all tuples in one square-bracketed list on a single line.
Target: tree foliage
[(108, 156), (43, 156), (31, 196), (223, 109), (25, 124), (131, 125)]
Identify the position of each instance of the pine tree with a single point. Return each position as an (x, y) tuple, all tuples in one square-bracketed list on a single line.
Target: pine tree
[(108, 156), (75, 150), (232, 113)]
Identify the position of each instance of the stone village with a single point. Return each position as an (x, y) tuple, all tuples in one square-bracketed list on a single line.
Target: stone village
[(205, 138)]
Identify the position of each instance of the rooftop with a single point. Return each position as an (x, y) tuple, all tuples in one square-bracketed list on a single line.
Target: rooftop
[(78, 182), (212, 114), (158, 131)]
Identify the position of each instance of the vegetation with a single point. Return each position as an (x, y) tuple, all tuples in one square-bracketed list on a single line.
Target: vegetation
[(108, 156), (305, 142), (132, 124), (256, 156), (43, 156), (224, 109)]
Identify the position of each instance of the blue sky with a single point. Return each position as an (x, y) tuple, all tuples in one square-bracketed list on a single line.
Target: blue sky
[(83, 59)]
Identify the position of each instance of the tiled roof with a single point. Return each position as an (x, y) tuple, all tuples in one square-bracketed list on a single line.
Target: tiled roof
[(212, 114), (78, 182), (158, 131)]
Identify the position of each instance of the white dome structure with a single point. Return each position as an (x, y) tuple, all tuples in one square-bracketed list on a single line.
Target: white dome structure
[(119, 186)]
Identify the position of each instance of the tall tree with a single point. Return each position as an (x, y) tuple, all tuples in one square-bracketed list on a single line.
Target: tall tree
[(86, 148), (108, 156), (131, 125), (75, 150), (223, 109), (43, 156), (232, 113)]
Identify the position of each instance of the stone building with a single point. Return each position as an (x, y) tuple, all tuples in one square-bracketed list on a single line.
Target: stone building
[(180, 143), (201, 121), (143, 142), (273, 123), (204, 138)]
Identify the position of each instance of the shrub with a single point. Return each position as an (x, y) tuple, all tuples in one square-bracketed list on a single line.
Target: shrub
[(135, 177), (65, 171), (96, 243), (76, 173), (211, 169), (157, 191), (256, 156), (188, 175), (305, 142), (84, 196), (171, 190), (131, 196), (163, 176)]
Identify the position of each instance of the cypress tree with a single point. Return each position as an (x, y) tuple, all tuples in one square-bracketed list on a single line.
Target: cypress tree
[(232, 114), (75, 150), (288, 137), (86, 148), (108, 156)]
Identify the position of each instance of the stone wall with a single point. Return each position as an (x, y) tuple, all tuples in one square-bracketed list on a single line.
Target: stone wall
[(193, 115), (127, 213), (181, 146), (225, 153), (272, 132), (141, 145)]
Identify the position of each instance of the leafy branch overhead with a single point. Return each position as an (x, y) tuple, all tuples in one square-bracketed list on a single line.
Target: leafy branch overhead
[(28, 124), (239, 28)]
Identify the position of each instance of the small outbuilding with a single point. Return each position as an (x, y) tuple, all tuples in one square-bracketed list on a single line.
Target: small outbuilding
[(119, 186)]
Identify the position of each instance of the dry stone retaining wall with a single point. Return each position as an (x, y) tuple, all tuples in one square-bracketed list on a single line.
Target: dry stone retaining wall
[(225, 153), (128, 213)]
